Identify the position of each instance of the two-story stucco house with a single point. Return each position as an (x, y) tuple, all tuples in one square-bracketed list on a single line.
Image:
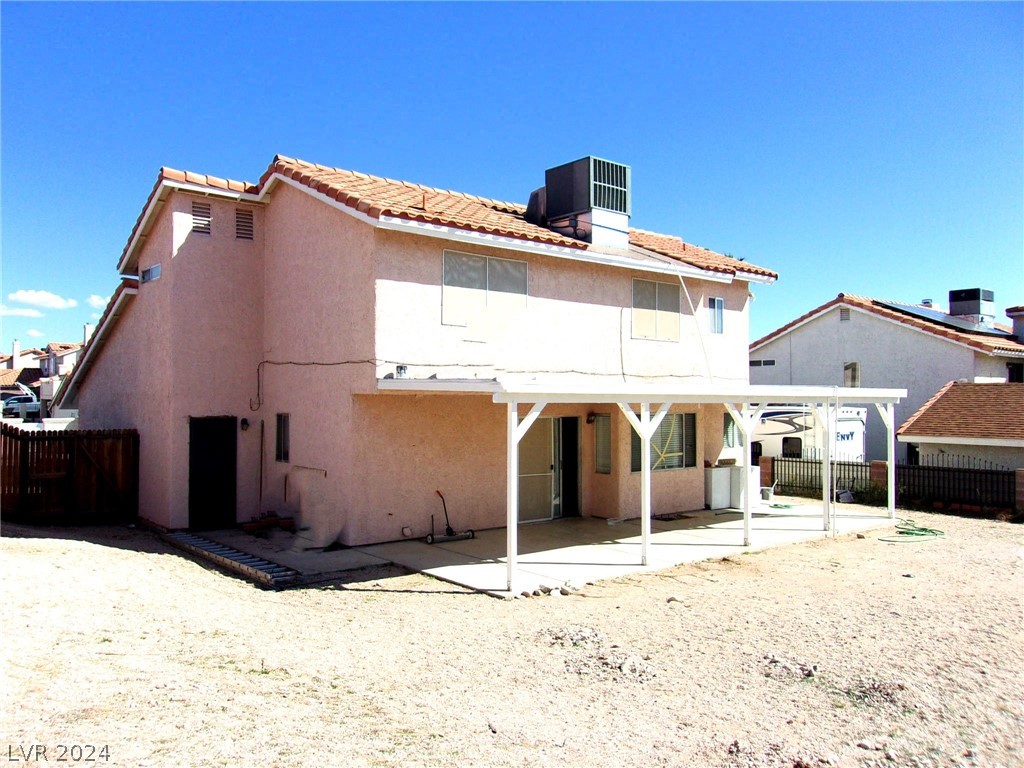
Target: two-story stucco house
[(855, 341), (330, 342)]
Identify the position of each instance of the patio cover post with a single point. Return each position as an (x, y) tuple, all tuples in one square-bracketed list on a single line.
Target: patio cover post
[(746, 420), (645, 426), (886, 412), (513, 434), (821, 415)]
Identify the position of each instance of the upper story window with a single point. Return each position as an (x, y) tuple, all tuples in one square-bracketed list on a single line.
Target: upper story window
[(202, 217), (243, 224), (851, 374), (716, 314), (150, 274), (475, 284), (655, 310), (1015, 373), (759, 363)]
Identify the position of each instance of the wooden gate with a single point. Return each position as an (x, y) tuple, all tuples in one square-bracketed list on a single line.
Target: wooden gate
[(69, 477)]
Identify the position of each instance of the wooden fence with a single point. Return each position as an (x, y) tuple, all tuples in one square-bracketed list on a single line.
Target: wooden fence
[(69, 477)]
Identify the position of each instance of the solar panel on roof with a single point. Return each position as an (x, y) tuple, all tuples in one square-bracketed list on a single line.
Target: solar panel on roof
[(941, 318)]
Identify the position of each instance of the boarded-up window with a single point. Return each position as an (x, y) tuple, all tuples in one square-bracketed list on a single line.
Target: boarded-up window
[(655, 310)]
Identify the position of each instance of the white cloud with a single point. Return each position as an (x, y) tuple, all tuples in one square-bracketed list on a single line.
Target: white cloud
[(34, 332), (97, 302), (43, 299), (14, 312)]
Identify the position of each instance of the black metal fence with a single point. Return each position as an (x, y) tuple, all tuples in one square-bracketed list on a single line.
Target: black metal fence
[(959, 486), (967, 488), (802, 477)]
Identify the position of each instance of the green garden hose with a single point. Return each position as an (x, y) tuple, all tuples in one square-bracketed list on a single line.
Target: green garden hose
[(908, 531)]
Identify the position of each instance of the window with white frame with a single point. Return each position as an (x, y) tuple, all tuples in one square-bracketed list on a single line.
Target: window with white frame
[(473, 285), (716, 314), (655, 310), (673, 446), (150, 274), (851, 374), (603, 444)]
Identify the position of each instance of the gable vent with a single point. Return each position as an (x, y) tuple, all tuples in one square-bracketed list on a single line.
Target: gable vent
[(243, 224), (844, 314), (201, 218)]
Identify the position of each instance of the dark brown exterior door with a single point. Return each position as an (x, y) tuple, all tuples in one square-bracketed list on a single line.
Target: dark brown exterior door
[(212, 457)]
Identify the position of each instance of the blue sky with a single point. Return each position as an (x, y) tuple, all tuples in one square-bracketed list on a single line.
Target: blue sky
[(864, 148)]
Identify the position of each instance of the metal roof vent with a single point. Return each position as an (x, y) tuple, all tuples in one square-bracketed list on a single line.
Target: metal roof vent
[(588, 199)]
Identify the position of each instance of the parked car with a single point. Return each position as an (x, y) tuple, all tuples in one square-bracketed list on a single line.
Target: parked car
[(12, 406)]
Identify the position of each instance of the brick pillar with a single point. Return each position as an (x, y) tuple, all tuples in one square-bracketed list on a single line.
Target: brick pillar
[(768, 472), (878, 474), (1019, 479)]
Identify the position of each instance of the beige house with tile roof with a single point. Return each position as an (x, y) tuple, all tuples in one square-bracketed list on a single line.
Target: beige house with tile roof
[(982, 421), (859, 341), (329, 341)]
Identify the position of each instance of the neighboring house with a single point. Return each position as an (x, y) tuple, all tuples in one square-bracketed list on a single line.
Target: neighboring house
[(11, 378), (19, 358), (979, 422), (857, 341), (257, 324), (59, 358)]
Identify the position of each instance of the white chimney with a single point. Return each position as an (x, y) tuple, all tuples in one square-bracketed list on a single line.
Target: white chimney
[(87, 332), (16, 354)]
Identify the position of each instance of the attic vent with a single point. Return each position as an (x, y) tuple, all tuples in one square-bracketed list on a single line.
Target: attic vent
[(844, 314), (243, 224), (611, 186), (201, 218)]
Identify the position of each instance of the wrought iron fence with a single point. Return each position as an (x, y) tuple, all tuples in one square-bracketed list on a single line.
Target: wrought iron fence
[(977, 489), (802, 477)]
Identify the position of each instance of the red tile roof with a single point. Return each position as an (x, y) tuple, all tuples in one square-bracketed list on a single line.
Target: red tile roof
[(62, 348), (985, 343), (974, 411), (27, 376), (376, 196)]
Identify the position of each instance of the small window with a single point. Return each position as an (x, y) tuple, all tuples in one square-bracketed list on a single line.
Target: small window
[(655, 310), (151, 274), (792, 447), (201, 218), (243, 224), (755, 363), (731, 435), (673, 446), (1015, 373), (767, 363), (716, 314), (603, 444), (283, 439), (844, 314), (851, 374)]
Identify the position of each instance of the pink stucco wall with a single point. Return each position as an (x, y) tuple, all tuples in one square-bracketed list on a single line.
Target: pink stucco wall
[(319, 305)]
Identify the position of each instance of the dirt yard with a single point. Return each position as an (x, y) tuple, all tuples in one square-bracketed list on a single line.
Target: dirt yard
[(842, 652)]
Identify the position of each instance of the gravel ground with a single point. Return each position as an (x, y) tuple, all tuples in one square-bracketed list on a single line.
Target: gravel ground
[(847, 652)]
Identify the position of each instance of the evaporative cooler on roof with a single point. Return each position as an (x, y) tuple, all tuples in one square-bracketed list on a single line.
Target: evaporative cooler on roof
[(585, 184)]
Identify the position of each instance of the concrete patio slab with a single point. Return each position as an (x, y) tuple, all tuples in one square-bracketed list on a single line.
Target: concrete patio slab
[(575, 551), (568, 552)]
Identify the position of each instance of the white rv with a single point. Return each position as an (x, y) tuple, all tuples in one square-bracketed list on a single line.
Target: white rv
[(794, 433)]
